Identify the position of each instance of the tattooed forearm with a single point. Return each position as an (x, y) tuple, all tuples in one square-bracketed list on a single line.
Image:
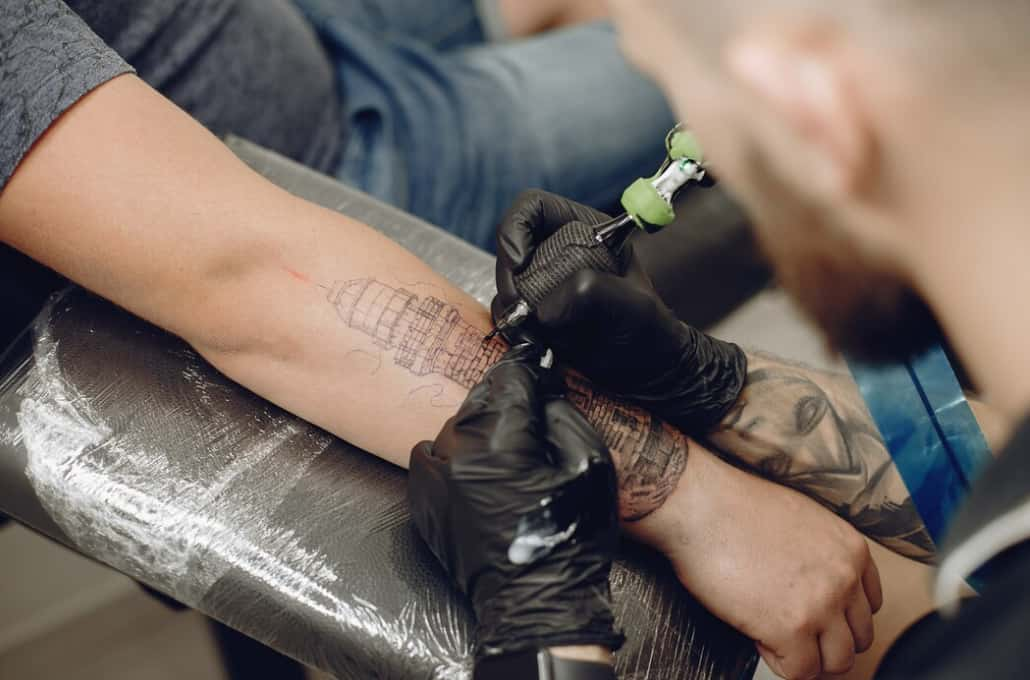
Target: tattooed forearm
[(650, 455), (430, 337), (810, 430)]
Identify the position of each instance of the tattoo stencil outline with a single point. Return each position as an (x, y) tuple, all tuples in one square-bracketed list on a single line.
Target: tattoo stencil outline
[(430, 337)]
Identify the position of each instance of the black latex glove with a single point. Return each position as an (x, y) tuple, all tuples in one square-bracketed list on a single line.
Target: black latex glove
[(517, 499), (615, 329)]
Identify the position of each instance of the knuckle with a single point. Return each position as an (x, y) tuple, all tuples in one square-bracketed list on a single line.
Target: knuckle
[(858, 549), (850, 580), (841, 580), (825, 596), (842, 665), (804, 621)]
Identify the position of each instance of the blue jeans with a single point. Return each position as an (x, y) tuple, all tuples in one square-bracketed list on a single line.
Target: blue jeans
[(451, 127)]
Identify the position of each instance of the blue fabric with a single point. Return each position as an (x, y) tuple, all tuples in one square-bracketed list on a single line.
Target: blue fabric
[(930, 432), (451, 128)]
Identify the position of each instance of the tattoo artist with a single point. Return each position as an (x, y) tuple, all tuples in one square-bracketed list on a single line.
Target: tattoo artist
[(830, 136), (827, 121), (599, 323)]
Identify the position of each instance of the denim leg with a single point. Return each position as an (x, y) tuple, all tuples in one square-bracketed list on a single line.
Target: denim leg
[(582, 121), (453, 137)]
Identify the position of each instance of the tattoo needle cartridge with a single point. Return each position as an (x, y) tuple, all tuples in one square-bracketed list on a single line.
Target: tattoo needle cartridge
[(648, 205)]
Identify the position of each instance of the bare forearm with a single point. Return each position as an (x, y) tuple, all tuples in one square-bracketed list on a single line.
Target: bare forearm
[(810, 430), (384, 362), (318, 313)]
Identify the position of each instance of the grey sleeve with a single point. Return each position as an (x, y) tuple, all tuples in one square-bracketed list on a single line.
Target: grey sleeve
[(49, 58)]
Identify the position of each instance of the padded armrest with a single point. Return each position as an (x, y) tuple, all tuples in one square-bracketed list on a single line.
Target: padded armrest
[(122, 443)]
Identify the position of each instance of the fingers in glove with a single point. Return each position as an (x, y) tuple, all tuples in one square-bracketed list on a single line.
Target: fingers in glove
[(575, 445), (593, 302), (427, 492), (502, 412), (533, 217)]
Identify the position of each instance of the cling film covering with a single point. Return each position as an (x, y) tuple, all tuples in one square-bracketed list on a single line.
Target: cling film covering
[(121, 442), (147, 459)]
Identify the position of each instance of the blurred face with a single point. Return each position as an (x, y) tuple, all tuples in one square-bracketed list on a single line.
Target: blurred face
[(856, 293)]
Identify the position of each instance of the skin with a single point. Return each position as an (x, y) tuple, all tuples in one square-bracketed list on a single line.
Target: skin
[(847, 126), (810, 430), (188, 267), (128, 196)]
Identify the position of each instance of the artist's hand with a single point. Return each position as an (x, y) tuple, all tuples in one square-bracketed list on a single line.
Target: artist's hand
[(615, 329), (775, 565), (516, 498)]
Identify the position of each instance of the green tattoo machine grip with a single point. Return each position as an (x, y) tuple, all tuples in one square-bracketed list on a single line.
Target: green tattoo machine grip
[(576, 246)]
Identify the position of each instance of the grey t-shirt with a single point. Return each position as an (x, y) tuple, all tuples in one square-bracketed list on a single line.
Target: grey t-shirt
[(249, 67)]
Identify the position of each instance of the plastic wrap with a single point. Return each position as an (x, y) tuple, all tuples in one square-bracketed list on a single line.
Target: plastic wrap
[(120, 441), (153, 463)]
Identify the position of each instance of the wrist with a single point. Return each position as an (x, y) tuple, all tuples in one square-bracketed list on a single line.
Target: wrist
[(683, 515)]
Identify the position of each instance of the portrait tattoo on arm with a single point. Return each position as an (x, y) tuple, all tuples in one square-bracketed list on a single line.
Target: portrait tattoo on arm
[(810, 430), (429, 337)]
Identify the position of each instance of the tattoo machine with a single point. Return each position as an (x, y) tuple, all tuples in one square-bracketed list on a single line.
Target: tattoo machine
[(648, 205)]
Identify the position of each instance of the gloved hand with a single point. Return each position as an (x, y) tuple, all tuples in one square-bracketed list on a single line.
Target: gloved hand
[(615, 329), (517, 499)]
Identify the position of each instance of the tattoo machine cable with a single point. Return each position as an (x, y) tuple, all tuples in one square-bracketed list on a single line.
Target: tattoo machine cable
[(648, 205)]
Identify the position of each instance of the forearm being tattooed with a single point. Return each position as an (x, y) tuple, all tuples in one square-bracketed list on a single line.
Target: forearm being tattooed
[(810, 430), (428, 337), (241, 272)]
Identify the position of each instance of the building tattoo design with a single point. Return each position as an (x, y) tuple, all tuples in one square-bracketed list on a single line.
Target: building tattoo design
[(651, 454), (428, 335)]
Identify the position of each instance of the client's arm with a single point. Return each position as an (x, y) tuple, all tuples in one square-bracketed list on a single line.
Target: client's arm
[(811, 430), (128, 196)]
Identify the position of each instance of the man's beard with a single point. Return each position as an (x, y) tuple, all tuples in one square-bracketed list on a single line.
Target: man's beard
[(866, 307), (865, 310)]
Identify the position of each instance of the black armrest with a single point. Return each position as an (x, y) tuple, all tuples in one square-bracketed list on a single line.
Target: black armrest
[(119, 441)]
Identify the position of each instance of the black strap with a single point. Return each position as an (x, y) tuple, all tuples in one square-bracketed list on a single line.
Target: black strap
[(540, 665)]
